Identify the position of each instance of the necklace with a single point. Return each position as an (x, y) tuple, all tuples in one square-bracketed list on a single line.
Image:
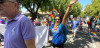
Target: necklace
[(55, 28)]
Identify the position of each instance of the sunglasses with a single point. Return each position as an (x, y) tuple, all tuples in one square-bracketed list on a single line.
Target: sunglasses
[(57, 19)]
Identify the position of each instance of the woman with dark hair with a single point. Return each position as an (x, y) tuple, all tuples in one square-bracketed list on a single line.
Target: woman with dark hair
[(58, 29)]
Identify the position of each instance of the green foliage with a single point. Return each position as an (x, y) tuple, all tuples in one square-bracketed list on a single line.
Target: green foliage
[(76, 9), (62, 5), (82, 14), (93, 9), (47, 5), (33, 5)]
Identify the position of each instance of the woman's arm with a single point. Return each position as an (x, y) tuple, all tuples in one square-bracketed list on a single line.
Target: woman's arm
[(67, 11)]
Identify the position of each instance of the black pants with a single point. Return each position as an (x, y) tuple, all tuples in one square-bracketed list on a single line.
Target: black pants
[(0, 40), (59, 46), (1, 37)]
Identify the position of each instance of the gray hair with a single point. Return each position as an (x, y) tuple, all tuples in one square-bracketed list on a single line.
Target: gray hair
[(13, 0)]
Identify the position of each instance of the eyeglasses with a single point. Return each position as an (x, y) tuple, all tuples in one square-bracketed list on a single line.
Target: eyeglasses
[(57, 19)]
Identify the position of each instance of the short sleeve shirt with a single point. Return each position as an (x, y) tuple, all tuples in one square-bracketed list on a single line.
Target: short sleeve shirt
[(17, 31), (98, 22), (75, 24), (59, 30)]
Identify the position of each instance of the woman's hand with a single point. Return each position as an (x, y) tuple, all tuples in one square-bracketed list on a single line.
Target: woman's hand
[(67, 11), (73, 1)]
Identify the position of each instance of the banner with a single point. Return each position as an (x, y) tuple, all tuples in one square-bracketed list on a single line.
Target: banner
[(2, 28), (42, 34)]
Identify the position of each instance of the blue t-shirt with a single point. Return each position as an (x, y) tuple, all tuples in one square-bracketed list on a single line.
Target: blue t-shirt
[(59, 36), (98, 21), (75, 24)]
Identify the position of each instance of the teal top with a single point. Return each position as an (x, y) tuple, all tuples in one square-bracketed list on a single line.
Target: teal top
[(59, 34)]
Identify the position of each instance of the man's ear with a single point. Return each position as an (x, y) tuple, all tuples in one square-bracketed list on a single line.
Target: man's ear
[(16, 5)]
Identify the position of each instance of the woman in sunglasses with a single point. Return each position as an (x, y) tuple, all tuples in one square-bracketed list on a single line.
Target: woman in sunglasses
[(58, 29)]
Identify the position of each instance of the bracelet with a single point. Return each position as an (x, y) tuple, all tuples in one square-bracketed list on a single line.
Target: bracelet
[(69, 5)]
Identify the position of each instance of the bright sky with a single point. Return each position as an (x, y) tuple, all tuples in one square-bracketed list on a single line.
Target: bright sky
[(82, 2)]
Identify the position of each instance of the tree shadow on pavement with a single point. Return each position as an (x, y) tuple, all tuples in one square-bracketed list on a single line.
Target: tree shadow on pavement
[(82, 40)]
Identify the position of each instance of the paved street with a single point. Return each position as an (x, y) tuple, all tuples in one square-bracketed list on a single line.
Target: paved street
[(83, 40)]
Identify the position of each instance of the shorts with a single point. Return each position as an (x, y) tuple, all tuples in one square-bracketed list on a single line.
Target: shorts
[(74, 30)]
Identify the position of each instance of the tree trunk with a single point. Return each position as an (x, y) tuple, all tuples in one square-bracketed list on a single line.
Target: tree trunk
[(33, 15)]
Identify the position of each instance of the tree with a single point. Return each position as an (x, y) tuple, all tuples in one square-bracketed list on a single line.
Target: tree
[(93, 9), (62, 5), (47, 5), (76, 9), (82, 14), (33, 5)]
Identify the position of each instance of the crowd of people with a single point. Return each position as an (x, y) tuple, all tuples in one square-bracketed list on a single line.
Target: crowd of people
[(92, 23), (20, 30), (42, 21), (74, 24)]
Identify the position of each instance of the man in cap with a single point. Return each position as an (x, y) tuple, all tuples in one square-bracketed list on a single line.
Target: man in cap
[(20, 32)]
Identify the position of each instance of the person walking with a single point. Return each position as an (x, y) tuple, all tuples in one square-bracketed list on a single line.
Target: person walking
[(75, 26), (59, 30), (20, 31)]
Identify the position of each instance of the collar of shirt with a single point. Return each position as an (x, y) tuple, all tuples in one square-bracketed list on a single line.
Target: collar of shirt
[(14, 19)]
